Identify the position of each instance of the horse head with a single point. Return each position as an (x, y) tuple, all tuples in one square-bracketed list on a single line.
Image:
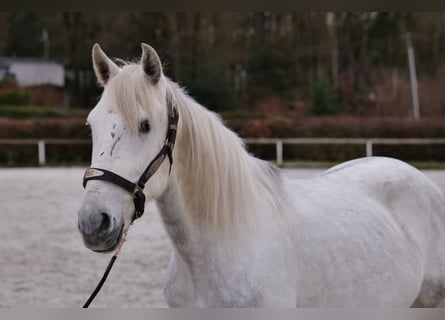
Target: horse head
[(133, 128)]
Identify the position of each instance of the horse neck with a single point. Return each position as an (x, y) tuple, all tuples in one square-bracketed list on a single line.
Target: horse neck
[(220, 184)]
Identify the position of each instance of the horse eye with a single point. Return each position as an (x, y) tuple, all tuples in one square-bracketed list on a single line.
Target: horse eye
[(144, 126)]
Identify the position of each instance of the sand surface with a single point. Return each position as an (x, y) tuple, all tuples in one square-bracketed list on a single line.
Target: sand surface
[(43, 262)]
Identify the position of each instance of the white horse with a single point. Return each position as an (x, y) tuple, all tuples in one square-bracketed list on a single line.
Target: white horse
[(366, 233)]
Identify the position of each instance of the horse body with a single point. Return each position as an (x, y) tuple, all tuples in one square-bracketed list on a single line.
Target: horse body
[(368, 238), (369, 232), (353, 236)]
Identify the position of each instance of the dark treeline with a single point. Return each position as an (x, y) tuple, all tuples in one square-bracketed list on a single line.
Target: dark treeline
[(308, 63)]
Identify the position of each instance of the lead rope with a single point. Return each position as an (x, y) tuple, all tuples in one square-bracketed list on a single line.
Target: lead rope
[(107, 271)]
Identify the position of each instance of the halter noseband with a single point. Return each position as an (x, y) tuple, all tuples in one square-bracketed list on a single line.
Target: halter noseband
[(136, 188)]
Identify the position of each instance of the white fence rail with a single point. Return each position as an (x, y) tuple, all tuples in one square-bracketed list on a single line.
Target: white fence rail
[(41, 144), (279, 143), (368, 143)]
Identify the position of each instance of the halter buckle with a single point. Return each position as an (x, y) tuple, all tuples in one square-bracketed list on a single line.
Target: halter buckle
[(139, 204)]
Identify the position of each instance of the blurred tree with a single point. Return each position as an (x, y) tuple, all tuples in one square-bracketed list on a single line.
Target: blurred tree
[(384, 33), (231, 59), (24, 34), (324, 97)]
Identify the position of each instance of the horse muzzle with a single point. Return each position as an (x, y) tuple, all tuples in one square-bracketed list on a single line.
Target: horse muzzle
[(101, 232)]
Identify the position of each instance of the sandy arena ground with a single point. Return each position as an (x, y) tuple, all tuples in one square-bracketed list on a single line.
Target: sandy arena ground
[(43, 262)]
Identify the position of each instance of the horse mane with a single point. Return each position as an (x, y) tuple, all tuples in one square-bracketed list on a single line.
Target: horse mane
[(220, 183)]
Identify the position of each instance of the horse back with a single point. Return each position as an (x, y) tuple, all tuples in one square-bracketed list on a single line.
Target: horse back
[(413, 200)]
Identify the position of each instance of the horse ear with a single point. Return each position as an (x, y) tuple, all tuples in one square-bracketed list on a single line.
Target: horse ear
[(151, 63), (103, 66)]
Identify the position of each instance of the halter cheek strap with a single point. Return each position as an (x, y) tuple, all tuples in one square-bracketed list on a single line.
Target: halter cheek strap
[(136, 188)]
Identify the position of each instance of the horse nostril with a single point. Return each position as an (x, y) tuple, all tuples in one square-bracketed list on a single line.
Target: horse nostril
[(106, 221)]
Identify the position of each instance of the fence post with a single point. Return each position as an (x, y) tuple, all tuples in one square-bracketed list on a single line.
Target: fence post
[(369, 148), (42, 156), (413, 76), (279, 146)]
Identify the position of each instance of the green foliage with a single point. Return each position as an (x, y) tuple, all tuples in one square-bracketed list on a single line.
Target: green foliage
[(324, 97), (386, 42), (13, 97), (212, 88), (270, 70), (25, 31), (279, 51)]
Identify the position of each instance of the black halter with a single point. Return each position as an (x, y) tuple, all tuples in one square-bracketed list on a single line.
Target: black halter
[(136, 188)]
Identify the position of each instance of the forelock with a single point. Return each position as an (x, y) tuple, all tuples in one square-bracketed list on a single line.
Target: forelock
[(133, 92)]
